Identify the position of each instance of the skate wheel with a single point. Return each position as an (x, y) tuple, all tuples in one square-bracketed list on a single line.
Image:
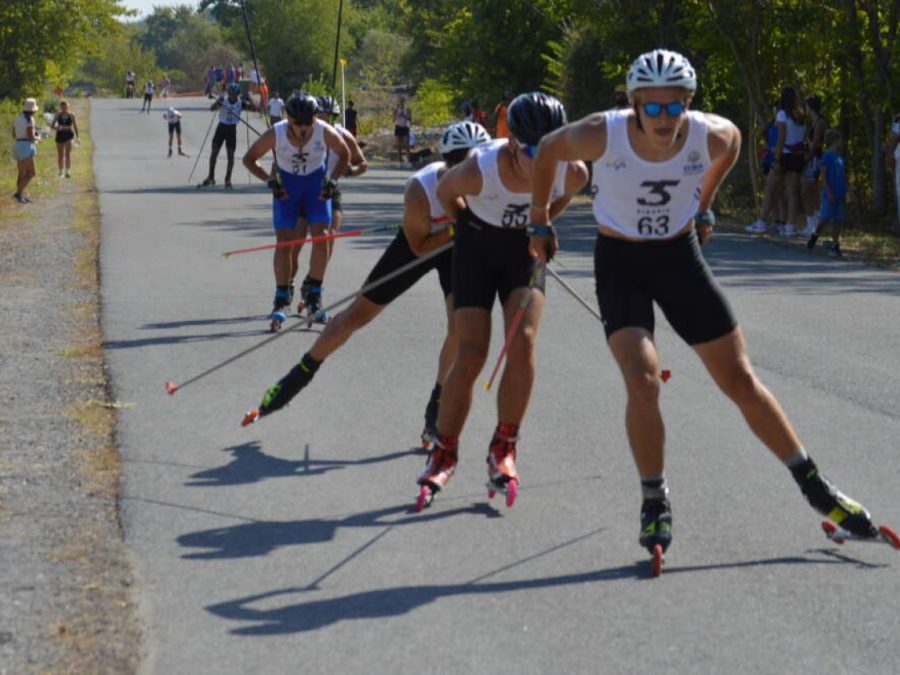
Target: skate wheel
[(424, 498), (275, 326), (512, 491), (889, 536), (656, 562), (250, 417), (831, 530)]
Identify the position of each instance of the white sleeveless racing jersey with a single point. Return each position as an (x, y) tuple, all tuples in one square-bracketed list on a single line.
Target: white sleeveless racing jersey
[(427, 177), (171, 117), (497, 206), (300, 161), (332, 158), (641, 199), (230, 113)]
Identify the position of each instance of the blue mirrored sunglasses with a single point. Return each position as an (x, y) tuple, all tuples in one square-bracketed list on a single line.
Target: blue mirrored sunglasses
[(674, 109)]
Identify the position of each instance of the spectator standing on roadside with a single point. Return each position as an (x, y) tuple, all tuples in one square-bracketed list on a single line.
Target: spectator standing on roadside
[(479, 116), (895, 140), (276, 109), (402, 126), (164, 85), (810, 192), (25, 148), (66, 129), (787, 166), (210, 81), (501, 130), (834, 193), (351, 118)]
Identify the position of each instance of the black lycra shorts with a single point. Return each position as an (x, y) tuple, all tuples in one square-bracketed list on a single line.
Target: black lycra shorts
[(631, 276), (396, 256), (227, 134), (490, 261)]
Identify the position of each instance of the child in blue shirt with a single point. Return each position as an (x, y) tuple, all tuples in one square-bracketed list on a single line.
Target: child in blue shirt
[(834, 193)]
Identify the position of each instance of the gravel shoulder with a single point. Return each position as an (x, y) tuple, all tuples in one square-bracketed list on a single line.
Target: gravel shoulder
[(68, 601)]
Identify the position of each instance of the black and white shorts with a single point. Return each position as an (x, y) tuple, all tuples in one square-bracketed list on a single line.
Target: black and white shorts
[(490, 261), (630, 276), (398, 254)]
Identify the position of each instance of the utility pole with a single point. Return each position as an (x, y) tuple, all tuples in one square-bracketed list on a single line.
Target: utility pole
[(337, 45)]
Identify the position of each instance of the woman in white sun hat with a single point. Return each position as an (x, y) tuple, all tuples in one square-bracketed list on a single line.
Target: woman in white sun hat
[(25, 148)]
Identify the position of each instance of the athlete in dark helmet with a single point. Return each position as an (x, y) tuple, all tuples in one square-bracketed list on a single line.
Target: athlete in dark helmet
[(301, 188), (230, 109), (488, 196)]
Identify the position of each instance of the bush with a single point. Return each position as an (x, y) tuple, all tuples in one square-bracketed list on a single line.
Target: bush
[(435, 103)]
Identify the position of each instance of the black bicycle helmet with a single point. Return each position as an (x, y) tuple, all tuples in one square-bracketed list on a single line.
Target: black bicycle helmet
[(301, 108), (328, 104), (533, 115)]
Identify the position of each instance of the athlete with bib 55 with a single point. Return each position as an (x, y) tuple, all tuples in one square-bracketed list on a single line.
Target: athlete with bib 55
[(487, 196), (656, 169)]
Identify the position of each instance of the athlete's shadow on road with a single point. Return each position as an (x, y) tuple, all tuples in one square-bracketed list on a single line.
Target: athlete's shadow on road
[(261, 330), (262, 537), (251, 465), (310, 615)]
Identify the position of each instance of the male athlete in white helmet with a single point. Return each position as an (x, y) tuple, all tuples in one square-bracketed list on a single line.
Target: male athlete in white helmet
[(425, 228), (656, 169)]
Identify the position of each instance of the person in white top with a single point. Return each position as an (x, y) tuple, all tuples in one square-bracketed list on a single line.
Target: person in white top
[(790, 158), (148, 97), (301, 188), (276, 109), (487, 196), (424, 229), (648, 250), (25, 148), (230, 109), (173, 119), (329, 111)]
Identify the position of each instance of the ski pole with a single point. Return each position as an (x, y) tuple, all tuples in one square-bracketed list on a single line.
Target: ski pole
[(200, 151), (514, 326), (312, 240), (378, 282), (665, 374), (172, 387), (584, 303)]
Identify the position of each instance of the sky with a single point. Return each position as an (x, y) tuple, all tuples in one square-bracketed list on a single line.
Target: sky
[(145, 7)]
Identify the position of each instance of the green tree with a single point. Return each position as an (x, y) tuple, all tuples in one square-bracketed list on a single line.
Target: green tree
[(28, 58)]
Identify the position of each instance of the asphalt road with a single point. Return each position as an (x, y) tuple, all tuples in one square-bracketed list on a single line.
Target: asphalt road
[(291, 546)]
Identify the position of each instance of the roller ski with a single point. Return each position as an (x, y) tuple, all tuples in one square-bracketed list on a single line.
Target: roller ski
[(439, 469), (207, 182), (280, 394), (311, 302), (281, 307), (839, 535), (847, 518), (501, 464), (656, 531)]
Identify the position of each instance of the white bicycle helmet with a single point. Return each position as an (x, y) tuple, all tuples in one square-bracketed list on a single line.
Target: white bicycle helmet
[(462, 136), (661, 68)]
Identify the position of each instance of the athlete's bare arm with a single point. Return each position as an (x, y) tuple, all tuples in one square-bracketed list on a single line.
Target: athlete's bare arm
[(358, 164), (262, 145), (581, 140), (724, 140), (336, 144), (462, 179), (576, 178), (417, 221)]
